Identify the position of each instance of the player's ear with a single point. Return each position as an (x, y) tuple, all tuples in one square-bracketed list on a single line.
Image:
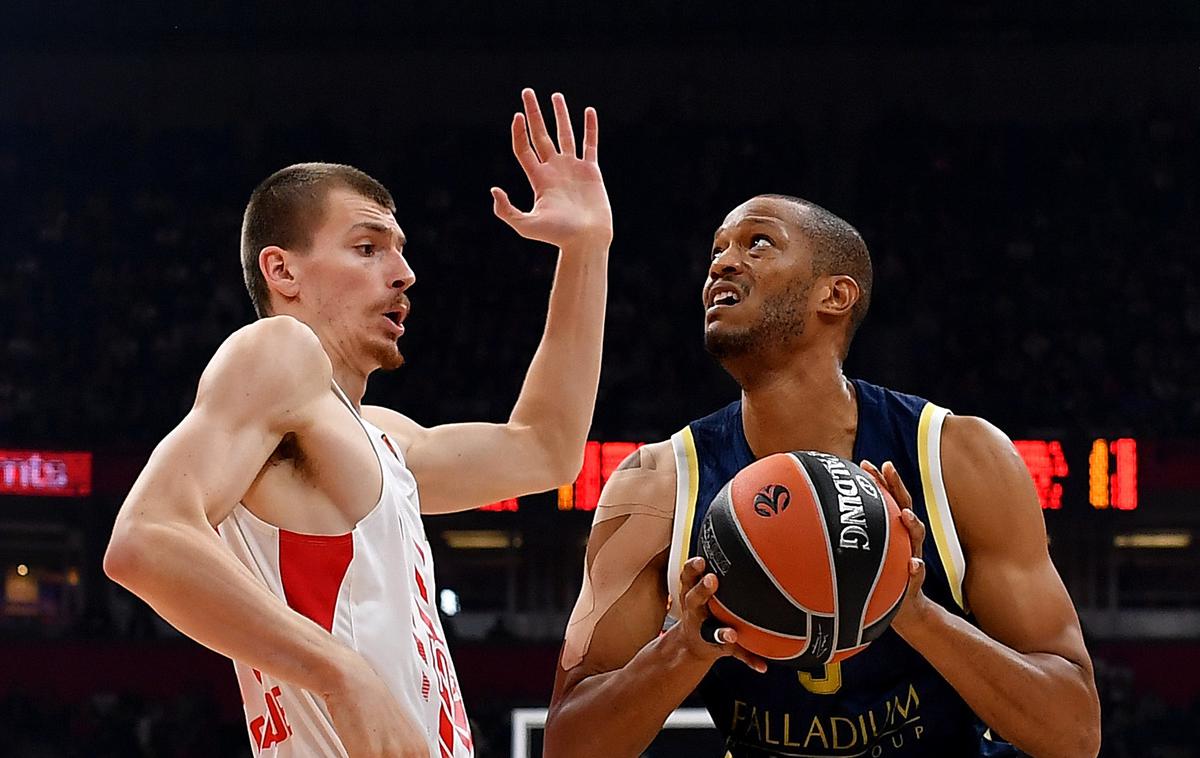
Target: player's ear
[(838, 295), (275, 264)]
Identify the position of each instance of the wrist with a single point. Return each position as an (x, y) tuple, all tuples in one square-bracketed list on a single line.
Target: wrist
[(337, 670), (916, 619), (592, 241), (683, 653)]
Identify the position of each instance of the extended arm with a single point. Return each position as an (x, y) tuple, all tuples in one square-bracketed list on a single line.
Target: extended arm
[(461, 466), (618, 678), (165, 549), (1024, 670)]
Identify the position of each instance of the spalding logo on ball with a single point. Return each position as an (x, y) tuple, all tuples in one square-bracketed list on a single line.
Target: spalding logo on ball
[(811, 555)]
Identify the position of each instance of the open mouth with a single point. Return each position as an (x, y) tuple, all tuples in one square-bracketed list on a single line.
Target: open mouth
[(728, 297), (724, 295), (396, 318)]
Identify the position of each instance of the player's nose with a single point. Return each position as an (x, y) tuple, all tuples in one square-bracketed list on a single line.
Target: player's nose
[(728, 261), (402, 275)]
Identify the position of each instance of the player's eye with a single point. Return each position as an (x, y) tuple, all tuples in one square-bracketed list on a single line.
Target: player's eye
[(366, 248), (761, 240), (715, 252)]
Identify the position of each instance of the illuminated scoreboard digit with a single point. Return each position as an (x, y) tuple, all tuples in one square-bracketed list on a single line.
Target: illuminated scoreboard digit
[(1112, 474), (1047, 465)]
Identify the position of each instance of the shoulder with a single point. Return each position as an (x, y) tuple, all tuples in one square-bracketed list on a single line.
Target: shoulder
[(399, 427), (990, 490), (975, 445), (270, 368), (655, 457), (644, 483)]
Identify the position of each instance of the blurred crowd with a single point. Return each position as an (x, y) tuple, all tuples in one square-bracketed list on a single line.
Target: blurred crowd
[(1041, 276)]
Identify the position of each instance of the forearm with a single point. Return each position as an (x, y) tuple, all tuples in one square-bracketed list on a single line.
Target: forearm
[(618, 713), (194, 582), (1043, 703), (559, 393)]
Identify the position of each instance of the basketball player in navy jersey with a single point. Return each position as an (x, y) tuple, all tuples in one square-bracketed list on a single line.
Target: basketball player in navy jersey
[(279, 523), (985, 656)]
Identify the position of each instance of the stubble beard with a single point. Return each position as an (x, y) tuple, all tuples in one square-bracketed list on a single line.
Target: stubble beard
[(783, 319), (388, 358)]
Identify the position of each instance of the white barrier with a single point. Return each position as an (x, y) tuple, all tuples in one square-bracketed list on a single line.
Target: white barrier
[(525, 720)]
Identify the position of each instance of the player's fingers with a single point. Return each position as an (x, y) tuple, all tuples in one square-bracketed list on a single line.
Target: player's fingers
[(916, 574), (712, 632), (869, 467), (741, 653), (916, 531), (562, 120), (896, 485), (521, 147), (591, 134), (537, 126), (727, 638), (693, 569), (504, 209), (697, 598)]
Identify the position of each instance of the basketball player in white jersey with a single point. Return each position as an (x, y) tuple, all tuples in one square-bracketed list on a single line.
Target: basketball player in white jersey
[(279, 523)]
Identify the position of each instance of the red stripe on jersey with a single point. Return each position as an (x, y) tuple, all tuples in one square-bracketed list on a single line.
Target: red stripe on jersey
[(312, 568), (421, 586)]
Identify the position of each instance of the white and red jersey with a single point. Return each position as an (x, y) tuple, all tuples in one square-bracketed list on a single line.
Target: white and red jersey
[(371, 588)]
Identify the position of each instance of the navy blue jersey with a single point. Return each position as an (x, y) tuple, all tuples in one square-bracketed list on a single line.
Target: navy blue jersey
[(885, 702)]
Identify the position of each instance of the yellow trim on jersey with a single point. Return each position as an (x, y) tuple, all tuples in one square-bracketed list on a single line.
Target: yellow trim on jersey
[(687, 485), (937, 503), (693, 489)]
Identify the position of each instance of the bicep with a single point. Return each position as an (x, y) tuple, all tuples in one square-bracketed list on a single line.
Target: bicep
[(203, 467), (623, 600), (244, 405), (1011, 583)]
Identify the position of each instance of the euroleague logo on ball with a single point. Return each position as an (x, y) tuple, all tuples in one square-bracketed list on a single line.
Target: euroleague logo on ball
[(772, 500)]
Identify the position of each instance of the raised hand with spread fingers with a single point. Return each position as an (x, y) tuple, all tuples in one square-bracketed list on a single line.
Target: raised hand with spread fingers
[(570, 203)]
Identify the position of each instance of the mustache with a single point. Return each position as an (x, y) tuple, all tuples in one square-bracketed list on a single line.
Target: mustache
[(400, 303)]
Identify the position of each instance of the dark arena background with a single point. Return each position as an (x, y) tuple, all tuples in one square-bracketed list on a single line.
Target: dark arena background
[(1024, 173)]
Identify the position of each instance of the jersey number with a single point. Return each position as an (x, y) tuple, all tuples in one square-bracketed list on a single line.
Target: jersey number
[(828, 683)]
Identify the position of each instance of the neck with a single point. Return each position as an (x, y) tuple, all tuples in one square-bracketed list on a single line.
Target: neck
[(351, 382), (807, 404)]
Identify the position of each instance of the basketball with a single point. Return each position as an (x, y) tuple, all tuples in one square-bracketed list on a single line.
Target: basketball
[(811, 556)]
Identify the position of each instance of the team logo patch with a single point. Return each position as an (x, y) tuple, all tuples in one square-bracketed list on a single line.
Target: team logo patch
[(772, 500)]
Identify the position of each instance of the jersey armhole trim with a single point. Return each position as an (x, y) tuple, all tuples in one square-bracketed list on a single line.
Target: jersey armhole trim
[(687, 483), (937, 502)]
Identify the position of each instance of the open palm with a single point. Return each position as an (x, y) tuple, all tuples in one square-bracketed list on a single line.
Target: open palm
[(570, 204)]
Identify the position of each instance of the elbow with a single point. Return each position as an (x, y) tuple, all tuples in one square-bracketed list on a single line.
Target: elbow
[(1086, 743), (126, 558), (565, 469), (560, 460), (1084, 738), (121, 559)]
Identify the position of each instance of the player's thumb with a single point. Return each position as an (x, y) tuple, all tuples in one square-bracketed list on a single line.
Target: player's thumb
[(504, 209)]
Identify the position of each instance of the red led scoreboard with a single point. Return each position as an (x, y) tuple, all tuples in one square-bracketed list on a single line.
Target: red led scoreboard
[(1111, 466), (46, 473)]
